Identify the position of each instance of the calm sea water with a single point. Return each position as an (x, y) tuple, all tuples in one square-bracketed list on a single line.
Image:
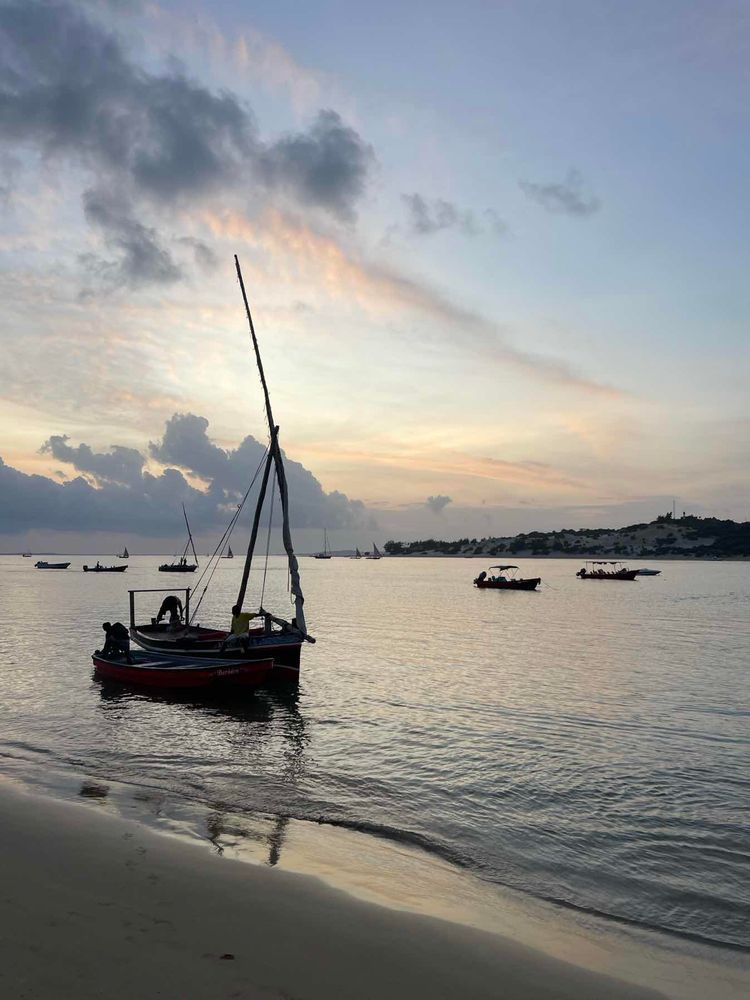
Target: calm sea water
[(588, 744)]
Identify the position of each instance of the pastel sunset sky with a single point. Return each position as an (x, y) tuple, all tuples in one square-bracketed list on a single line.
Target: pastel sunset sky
[(496, 254)]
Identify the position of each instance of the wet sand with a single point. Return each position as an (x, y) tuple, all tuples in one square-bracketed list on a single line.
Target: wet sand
[(97, 906)]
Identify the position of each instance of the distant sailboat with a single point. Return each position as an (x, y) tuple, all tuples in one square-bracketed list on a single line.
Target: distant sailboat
[(124, 554), (229, 554), (325, 554), (183, 566), (375, 554), (357, 554)]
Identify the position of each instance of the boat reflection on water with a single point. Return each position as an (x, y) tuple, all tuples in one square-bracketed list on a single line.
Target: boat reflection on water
[(253, 830), (93, 790)]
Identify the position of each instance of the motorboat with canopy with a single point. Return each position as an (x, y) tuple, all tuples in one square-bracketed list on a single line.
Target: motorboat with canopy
[(506, 578), (606, 569), (256, 634)]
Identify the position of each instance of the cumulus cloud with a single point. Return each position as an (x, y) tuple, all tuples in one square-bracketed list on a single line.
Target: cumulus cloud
[(156, 139), (327, 166), (438, 503), (427, 216), (568, 197), (119, 465), (186, 444), (116, 492)]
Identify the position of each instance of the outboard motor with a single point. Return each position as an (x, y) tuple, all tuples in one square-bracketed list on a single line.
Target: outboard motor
[(482, 576)]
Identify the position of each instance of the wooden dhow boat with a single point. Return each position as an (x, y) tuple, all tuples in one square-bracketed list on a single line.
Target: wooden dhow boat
[(506, 579), (154, 671), (103, 569), (48, 565), (259, 634), (182, 565), (375, 554), (606, 569)]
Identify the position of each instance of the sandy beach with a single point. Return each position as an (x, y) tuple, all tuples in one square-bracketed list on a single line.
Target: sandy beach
[(97, 906)]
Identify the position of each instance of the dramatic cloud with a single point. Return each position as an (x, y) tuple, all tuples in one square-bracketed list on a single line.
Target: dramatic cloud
[(160, 140), (120, 465), (186, 444), (437, 503), (124, 495), (569, 197), (327, 166), (428, 216)]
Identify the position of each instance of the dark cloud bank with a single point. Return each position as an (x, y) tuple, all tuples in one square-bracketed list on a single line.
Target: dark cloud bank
[(114, 492), (69, 90)]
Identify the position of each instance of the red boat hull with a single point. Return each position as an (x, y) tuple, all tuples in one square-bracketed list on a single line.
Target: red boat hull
[(174, 673), (531, 584)]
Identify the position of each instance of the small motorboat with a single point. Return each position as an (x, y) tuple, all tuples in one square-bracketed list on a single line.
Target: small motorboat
[(160, 671), (104, 569), (48, 565), (597, 569), (26, 555), (648, 572), (507, 578)]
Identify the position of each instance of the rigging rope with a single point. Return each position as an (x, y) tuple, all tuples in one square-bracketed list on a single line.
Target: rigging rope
[(224, 538), (268, 542)]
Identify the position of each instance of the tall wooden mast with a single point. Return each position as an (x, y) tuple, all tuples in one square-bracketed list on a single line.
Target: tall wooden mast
[(275, 455)]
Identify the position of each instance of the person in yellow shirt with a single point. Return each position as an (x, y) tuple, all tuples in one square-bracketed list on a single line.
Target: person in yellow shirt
[(240, 621)]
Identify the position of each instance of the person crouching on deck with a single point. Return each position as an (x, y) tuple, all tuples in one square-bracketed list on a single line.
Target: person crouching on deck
[(171, 606), (118, 641)]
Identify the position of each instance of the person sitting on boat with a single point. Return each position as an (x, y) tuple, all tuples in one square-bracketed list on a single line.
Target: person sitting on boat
[(240, 621), (172, 606), (239, 629), (118, 640)]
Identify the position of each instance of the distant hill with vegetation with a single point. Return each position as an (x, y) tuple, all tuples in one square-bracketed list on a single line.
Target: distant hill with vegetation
[(667, 536)]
